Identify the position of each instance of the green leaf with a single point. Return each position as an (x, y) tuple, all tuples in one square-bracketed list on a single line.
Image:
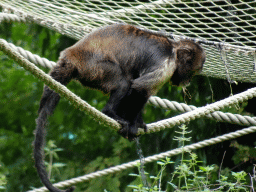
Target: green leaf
[(134, 175)]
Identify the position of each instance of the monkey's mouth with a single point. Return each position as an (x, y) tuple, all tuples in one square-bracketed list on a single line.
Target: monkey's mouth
[(186, 84), (181, 80), (181, 84)]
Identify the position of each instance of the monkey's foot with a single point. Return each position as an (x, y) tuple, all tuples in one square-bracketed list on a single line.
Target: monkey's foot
[(124, 130), (144, 127), (128, 132)]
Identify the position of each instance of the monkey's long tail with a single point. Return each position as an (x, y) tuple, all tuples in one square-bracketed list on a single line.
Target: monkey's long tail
[(49, 101), (39, 154)]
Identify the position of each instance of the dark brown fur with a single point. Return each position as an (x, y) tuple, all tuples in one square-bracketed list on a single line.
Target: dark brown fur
[(129, 63)]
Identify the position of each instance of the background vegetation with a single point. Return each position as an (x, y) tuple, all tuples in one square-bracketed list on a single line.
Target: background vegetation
[(88, 146)]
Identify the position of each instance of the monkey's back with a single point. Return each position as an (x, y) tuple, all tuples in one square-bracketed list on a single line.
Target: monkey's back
[(126, 48)]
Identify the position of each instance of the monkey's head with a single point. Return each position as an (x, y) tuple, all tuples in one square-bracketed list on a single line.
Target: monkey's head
[(190, 58)]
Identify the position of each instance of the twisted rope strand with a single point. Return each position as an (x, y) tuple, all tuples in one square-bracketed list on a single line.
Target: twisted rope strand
[(218, 115), (31, 57), (170, 153), (200, 112)]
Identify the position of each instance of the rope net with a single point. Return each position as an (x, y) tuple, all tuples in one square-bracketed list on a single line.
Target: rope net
[(227, 28)]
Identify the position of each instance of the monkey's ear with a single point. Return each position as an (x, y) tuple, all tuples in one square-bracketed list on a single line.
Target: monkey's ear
[(184, 55)]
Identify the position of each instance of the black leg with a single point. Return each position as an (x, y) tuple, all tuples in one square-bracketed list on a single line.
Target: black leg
[(130, 109), (116, 97), (140, 123)]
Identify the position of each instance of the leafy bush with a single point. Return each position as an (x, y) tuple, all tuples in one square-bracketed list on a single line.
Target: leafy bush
[(188, 175)]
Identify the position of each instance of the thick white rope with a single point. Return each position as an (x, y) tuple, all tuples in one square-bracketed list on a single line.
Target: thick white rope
[(218, 115), (170, 153), (200, 112), (31, 57)]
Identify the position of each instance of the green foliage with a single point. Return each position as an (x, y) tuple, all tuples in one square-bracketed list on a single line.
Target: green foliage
[(51, 152), (188, 175), (17, 116), (243, 153), (3, 179)]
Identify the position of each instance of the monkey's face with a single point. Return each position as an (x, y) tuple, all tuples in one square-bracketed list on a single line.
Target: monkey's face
[(190, 58)]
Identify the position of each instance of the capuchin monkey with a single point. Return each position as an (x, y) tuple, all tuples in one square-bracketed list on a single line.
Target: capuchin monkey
[(128, 63)]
